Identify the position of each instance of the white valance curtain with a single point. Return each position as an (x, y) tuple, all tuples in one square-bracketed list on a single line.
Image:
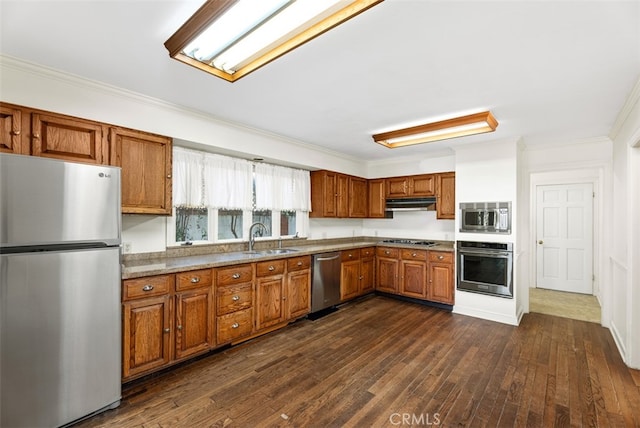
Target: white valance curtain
[(281, 188), (208, 180)]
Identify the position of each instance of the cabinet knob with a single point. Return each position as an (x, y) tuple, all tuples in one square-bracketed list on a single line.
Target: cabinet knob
[(147, 287), (235, 325), (387, 252), (299, 263), (235, 276), (235, 298), (166, 330), (16, 133), (414, 255), (541, 242), (36, 136), (271, 268), (168, 175), (195, 280), (350, 255), (360, 278), (441, 257), (179, 327)]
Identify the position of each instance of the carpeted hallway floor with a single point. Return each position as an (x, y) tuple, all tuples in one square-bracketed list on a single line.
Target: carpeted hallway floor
[(576, 306)]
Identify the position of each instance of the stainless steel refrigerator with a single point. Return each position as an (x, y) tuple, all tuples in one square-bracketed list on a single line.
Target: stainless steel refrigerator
[(60, 322)]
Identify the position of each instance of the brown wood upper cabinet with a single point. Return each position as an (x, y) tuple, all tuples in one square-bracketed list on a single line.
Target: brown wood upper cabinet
[(446, 195), (377, 200), (146, 170), (11, 133), (410, 186), (338, 195), (68, 138)]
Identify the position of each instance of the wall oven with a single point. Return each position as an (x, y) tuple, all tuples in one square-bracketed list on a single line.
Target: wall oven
[(485, 267), (485, 217)]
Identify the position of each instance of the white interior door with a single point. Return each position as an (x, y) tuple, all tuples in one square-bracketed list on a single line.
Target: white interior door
[(565, 237)]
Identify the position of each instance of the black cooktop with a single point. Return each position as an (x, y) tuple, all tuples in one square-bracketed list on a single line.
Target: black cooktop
[(410, 242)]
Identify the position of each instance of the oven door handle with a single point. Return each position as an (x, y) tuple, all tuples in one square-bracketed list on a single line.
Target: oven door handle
[(495, 254)]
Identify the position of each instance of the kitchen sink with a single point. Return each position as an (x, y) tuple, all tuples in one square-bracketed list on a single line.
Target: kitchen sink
[(272, 251)]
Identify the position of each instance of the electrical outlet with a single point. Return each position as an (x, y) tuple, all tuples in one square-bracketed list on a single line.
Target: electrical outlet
[(126, 247)]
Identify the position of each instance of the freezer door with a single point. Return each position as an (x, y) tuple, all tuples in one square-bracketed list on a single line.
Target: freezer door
[(59, 336), (47, 201)]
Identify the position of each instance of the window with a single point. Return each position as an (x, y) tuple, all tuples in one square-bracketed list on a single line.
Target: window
[(218, 198), (191, 224)]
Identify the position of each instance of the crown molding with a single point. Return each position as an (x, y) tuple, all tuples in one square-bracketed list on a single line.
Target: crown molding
[(623, 115)]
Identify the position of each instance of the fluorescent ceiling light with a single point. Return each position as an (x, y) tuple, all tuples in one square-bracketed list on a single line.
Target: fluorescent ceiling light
[(231, 38), (472, 124)]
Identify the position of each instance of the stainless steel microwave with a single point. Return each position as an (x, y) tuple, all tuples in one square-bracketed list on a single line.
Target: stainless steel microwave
[(485, 217)]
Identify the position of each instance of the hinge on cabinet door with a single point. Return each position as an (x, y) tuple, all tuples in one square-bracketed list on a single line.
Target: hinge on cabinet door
[(593, 278), (593, 194)]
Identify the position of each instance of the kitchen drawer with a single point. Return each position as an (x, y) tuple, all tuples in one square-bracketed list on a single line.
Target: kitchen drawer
[(233, 326), (298, 263), (270, 268), (193, 279), (408, 254), (366, 253), (234, 275), (441, 256), (232, 298), (147, 287), (347, 255), (392, 253)]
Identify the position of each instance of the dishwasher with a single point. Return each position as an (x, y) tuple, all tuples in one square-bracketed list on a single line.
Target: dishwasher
[(325, 283)]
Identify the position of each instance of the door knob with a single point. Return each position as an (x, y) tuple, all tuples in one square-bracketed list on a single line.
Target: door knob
[(541, 242)]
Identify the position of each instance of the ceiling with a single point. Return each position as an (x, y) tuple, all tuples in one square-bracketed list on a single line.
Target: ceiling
[(551, 72)]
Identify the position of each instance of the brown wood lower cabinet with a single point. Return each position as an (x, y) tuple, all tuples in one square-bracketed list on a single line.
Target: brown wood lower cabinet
[(387, 265), (298, 287), (234, 302), (413, 273), (356, 272), (161, 325), (441, 279), (420, 274)]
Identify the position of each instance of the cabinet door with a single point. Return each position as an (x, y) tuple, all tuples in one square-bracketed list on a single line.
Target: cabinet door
[(342, 196), (270, 308), (11, 130), (323, 194), (422, 185), (377, 198), (358, 197), (446, 195), (68, 138), (349, 279), (367, 275), (145, 160), (193, 322), (298, 299), (413, 279), (387, 275), (397, 187), (441, 287), (146, 335)]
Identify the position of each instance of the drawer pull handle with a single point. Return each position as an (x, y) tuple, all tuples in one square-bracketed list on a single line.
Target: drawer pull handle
[(166, 330), (195, 280), (440, 257), (271, 268), (299, 263), (235, 325), (147, 287), (235, 276), (235, 298)]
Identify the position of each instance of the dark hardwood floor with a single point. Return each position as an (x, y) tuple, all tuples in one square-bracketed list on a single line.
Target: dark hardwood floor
[(382, 362)]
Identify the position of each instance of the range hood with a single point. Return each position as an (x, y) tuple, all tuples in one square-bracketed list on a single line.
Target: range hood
[(411, 204)]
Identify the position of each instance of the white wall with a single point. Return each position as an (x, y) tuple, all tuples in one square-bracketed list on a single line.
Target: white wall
[(488, 172), (624, 243)]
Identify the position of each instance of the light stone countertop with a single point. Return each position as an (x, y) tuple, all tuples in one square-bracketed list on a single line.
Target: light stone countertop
[(166, 265)]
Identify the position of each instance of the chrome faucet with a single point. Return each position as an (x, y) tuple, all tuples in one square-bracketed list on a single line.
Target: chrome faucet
[(252, 238)]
